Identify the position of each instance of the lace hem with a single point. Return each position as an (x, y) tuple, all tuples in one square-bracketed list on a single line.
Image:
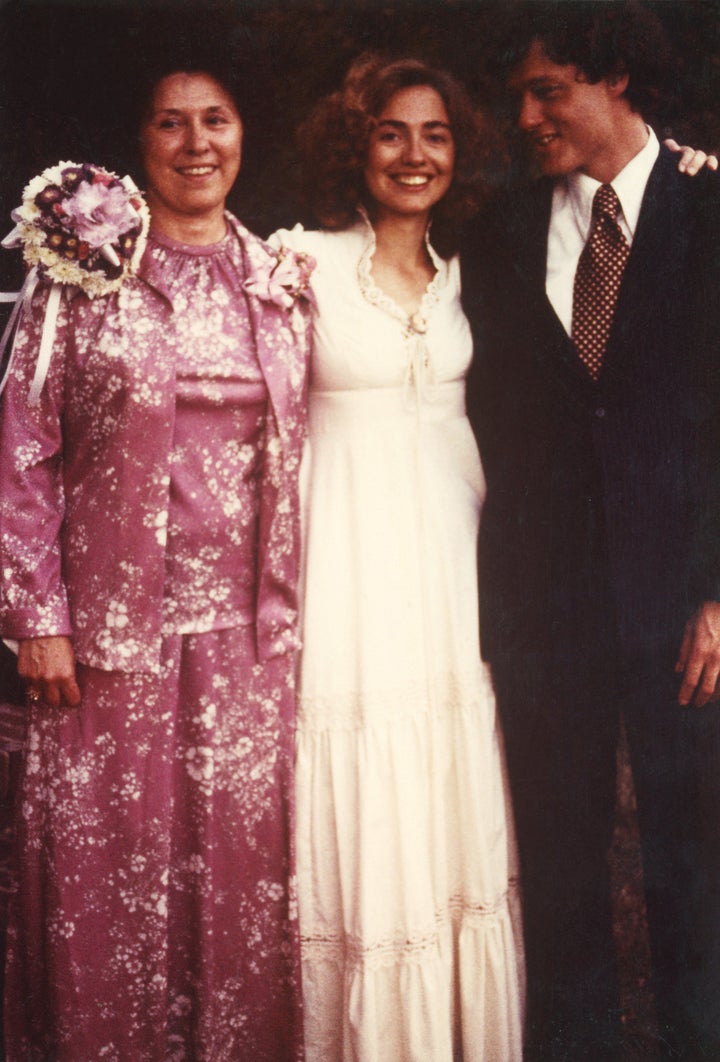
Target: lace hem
[(448, 693), (343, 950)]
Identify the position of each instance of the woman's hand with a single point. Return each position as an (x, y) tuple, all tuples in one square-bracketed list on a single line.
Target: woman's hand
[(48, 667), (692, 160)]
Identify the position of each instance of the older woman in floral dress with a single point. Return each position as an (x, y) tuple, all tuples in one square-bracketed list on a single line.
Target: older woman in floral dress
[(149, 555)]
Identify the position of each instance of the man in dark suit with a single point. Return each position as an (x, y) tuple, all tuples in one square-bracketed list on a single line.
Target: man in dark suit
[(600, 546)]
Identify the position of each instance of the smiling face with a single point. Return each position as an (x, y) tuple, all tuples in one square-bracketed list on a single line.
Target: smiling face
[(191, 144), (569, 123), (411, 154)]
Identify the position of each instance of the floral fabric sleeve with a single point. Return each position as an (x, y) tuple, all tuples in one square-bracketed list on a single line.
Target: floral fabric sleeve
[(33, 598)]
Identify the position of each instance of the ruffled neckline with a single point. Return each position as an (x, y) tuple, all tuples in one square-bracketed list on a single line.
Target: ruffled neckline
[(168, 264), (192, 249), (416, 322)]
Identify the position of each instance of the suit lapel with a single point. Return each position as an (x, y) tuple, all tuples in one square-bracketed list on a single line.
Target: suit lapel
[(528, 233), (529, 241), (665, 209), (660, 250)]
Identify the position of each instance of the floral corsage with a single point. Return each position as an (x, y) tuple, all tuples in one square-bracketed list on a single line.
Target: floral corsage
[(283, 279), (78, 225), (81, 225)]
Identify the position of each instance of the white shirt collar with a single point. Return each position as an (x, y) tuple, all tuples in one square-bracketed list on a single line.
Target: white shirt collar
[(629, 186)]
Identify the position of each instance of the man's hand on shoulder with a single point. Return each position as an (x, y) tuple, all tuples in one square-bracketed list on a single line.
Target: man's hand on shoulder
[(692, 160), (699, 659)]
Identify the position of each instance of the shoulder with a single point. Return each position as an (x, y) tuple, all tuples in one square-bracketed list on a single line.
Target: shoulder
[(666, 179), (684, 209), (253, 245), (513, 215), (73, 309), (324, 246), (452, 269)]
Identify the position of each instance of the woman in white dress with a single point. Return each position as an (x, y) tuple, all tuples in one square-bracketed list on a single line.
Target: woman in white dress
[(412, 948)]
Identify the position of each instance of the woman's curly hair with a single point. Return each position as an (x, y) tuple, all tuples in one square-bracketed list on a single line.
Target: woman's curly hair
[(334, 143)]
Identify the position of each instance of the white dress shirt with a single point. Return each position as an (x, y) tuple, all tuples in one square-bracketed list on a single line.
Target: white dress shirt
[(571, 217)]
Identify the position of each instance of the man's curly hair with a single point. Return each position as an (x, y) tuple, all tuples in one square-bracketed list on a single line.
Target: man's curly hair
[(603, 39), (334, 143)]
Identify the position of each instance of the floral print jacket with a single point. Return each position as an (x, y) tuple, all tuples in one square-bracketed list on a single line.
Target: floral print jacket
[(84, 476)]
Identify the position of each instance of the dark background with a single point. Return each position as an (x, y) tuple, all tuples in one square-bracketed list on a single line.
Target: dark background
[(67, 71)]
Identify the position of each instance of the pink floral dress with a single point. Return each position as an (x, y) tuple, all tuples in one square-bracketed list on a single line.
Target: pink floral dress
[(155, 916)]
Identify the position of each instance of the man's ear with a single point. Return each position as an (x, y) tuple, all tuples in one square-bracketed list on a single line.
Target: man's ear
[(618, 82)]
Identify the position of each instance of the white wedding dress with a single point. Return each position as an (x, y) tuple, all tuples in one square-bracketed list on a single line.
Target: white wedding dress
[(407, 870)]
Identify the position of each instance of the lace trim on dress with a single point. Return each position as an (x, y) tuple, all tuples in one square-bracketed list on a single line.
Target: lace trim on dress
[(355, 710), (377, 297), (419, 369), (345, 950)]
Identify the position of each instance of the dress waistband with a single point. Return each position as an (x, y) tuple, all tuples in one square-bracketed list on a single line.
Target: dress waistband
[(342, 410)]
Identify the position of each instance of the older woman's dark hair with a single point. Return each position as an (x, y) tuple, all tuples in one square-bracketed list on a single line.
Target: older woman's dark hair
[(603, 38), (183, 63), (145, 82), (334, 144)]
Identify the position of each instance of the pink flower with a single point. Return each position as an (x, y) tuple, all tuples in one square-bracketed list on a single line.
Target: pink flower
[(99, 214), (282, 280), (103, 178)]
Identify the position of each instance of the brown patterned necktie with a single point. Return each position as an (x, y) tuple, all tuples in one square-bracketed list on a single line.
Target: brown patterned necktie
[(597, 280)]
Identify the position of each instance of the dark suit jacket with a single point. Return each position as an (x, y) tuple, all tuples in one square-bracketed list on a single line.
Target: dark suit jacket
[(603, 508)]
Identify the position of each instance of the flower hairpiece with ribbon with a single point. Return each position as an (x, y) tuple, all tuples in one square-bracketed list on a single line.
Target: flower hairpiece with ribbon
[(78, 225)]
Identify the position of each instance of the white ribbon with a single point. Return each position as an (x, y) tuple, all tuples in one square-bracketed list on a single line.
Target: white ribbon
[(46, 344), (13, 238), (419, 371), (22, 301)]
